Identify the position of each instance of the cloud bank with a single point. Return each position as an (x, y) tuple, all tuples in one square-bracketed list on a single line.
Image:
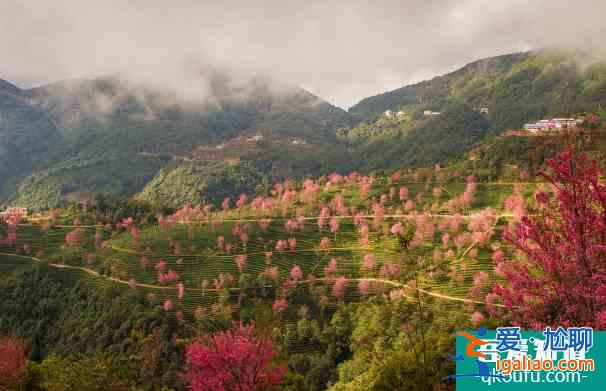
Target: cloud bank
[(340, 50)]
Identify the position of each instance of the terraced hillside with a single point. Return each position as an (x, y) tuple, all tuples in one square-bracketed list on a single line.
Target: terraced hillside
[(317, 242)]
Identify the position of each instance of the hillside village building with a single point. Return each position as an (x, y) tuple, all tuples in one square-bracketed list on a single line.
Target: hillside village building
[(13, 212), (552, 124), (481, 110), (256, 137), (392, 114)]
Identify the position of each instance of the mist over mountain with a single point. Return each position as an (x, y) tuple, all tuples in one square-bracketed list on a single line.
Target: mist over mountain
[(116, 135), (113, 134), (341, 50)]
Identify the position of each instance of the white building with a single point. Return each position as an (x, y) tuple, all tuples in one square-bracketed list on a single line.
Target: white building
[(256, 137), (484, 110), (551, 124), (565, 122), (388, 113), (400, 114), (532, 128)]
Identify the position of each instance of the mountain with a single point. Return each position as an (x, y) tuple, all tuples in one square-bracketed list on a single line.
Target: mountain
[(481, 99), (472, 83), (113, 135), (514, 88), (9, 88), (27, 134), (122, 137), (114, 107)]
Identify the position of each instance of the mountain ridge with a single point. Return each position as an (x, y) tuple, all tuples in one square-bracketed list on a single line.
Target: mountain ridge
[(102, 126), (6, 86), (484, 98), (95, 128), (481, 66)]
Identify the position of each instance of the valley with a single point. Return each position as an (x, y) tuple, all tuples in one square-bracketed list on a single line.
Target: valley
[(319, 248)]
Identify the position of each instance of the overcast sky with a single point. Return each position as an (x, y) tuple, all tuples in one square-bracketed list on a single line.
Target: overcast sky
[(340, 50)]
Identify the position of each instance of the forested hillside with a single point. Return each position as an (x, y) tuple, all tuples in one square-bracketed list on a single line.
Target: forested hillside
[(72, 139), (201, 182), (27, 134), (480, 100), (420, 142), (318, 274), (515, 88), (113, 135)]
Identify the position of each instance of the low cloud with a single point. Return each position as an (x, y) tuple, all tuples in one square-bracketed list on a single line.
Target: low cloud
[(340, 50)]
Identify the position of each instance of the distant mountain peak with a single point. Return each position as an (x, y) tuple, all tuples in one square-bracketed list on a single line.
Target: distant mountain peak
[(479, 82), (9, 87)]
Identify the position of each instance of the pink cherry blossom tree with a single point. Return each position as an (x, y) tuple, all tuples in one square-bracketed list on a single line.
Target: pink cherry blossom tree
[(235, 359), (561, 280)]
